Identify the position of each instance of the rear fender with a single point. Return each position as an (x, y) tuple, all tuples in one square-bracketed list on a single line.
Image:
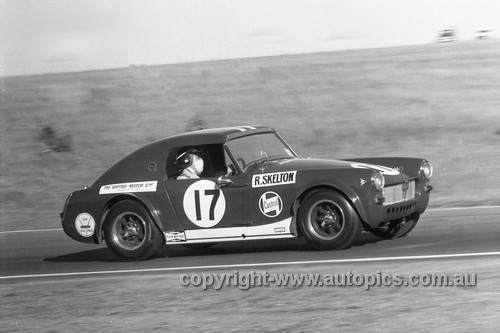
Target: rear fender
[(160, 219)]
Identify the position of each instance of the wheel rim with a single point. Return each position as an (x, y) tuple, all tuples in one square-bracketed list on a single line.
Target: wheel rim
[(129, 231), (326, 219)]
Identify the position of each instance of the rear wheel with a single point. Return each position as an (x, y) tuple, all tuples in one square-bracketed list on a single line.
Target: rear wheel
[(130, 232), (328, 221), (397, 228)]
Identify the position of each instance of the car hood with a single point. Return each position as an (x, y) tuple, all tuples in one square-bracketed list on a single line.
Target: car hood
[(309, 164), (391, 176)]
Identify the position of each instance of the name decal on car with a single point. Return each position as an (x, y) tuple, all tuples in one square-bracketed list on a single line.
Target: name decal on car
[(275, 178), (149, 186)]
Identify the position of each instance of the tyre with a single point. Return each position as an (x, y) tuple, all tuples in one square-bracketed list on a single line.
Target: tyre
[(397, 228), (130, 232), (328, 221)]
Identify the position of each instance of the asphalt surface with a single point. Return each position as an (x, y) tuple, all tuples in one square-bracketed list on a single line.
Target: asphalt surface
[(50, 253)]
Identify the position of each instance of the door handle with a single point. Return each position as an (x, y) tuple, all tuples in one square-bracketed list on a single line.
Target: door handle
[(223, 181)]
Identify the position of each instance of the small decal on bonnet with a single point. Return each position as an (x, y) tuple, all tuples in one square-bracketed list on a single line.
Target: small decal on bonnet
[(382, 169)]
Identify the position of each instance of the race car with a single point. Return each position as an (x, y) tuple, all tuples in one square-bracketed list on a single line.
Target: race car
[(253, 186)]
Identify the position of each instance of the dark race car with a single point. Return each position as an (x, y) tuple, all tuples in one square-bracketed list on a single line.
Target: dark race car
[(253, 186)]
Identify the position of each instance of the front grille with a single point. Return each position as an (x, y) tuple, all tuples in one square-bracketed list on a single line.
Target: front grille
[(394, 194)]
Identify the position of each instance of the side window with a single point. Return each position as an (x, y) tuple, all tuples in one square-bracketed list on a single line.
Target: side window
[(213, 155), (173, 170)]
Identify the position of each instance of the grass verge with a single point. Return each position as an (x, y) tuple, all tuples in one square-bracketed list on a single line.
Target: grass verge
[(435, 101)]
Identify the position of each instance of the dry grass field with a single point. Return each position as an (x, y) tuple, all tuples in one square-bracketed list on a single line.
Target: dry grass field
[(158, 303), (435, 101)]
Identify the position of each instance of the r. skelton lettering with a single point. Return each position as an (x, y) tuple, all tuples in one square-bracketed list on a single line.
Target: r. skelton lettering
[(278, 178)]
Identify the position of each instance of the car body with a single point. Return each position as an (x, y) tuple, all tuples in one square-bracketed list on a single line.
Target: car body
[(254, 186)]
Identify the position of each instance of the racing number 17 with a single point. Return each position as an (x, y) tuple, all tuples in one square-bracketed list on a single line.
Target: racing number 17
[(215, 196)]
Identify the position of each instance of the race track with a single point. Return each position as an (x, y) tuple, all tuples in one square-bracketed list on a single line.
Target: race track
[(440, 233)]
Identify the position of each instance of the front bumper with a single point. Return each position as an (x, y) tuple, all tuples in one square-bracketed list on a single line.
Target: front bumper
[(414, 199)]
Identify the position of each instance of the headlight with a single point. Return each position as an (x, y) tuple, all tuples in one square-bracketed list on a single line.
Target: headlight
[(426, 169), (378, 180)]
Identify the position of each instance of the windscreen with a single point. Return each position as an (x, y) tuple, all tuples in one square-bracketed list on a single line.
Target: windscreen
[(251, 149)]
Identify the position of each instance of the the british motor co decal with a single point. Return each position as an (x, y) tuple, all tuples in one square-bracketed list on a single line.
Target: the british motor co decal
[(149, 186), (270, 204), (273, 179)]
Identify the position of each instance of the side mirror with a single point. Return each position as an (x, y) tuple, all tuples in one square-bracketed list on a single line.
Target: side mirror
[(223, 181)]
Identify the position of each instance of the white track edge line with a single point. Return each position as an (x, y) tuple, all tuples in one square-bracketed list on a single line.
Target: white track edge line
[(291, 263), (26, 231), (460, 208)]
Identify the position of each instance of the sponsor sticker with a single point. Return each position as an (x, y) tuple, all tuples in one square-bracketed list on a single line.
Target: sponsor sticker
[(149, 186), (273, 179), (270, 204), (382, 169), (175, 236), (279, 230), (85, 224), (204, 203), (153, 166)]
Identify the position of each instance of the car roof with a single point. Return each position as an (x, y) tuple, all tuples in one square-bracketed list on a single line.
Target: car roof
[(151, 151), (215, 135)]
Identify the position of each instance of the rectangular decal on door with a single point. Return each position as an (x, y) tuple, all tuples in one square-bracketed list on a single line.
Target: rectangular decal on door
[(273, 179)]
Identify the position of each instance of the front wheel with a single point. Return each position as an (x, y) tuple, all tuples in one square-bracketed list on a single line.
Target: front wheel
[(130, 232), (328, 221)]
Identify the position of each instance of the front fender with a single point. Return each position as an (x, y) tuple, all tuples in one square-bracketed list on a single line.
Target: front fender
[(355, 186)]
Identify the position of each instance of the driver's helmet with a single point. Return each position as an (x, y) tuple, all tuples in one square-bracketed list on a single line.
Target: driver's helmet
[(185, 159)]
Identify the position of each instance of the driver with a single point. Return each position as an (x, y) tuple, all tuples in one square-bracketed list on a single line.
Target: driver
[(191, 163)]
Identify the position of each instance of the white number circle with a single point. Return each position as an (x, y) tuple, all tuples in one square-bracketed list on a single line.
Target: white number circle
[(204, 203)]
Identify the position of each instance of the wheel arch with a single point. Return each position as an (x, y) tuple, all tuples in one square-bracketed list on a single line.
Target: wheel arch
[(129, 196), (351, 197)]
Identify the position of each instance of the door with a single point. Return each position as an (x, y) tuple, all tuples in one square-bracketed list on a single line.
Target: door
[(211, 210)]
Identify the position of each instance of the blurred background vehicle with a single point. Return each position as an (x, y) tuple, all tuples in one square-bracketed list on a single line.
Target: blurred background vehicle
[(483, 33), (447, 35)]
